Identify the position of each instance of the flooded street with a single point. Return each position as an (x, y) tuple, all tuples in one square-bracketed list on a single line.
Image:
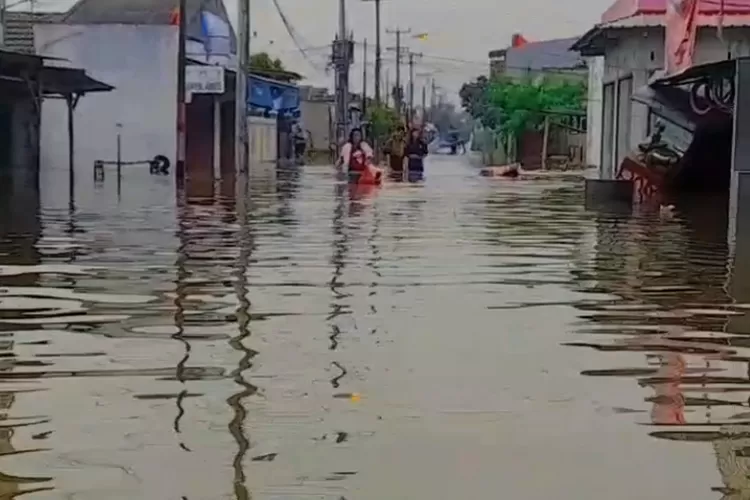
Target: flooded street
[(466, 338)]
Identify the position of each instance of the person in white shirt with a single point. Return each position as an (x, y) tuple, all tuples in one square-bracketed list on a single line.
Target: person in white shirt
[(355, 154)]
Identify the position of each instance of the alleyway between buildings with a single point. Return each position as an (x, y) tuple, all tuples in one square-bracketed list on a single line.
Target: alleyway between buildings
[(466, 338)]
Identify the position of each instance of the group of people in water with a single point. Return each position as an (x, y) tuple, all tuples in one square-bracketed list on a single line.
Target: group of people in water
[(405, 155)]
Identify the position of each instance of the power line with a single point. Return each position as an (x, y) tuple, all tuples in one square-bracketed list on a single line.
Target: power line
[(295, 36)]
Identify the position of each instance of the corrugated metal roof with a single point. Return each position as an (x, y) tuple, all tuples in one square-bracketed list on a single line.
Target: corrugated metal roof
[(623, 9), (19, 29), (127, 11), (549, 54), (588, 43)]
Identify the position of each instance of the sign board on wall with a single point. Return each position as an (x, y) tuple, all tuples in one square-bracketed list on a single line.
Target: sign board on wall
[(204, 79)]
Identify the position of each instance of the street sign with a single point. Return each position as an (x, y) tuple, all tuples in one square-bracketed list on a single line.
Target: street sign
[(204, 79)]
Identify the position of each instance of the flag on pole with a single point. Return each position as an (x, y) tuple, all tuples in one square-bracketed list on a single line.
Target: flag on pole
[(174, 17)]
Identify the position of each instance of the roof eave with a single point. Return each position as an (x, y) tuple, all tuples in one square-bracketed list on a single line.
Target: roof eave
[(585, 42)]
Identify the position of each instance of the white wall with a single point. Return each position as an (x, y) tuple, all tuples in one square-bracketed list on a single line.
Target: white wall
[(638, 52), (315, 118), (141, 63), (263, 140), (594, 111)]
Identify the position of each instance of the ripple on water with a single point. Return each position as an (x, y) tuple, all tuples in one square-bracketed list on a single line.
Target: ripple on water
[(313, 341)]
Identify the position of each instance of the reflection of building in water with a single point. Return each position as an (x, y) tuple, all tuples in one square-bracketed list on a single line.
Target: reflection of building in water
[(676, 305), (20, 229)]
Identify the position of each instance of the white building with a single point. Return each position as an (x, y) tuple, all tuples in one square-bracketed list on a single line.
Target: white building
[(625, 50)]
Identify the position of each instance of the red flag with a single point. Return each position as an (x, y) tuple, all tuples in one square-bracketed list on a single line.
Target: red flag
[(518, 41), (174, 17), (680, 35)]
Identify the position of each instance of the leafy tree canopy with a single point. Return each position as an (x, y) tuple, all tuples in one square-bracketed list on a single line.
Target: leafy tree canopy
[(474, 97), (517, 105), (521, 104), (265, 65), (383, 121)]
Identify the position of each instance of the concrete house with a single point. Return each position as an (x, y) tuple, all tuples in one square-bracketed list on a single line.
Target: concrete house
[(624, 51), (133, 45), (535, 61)]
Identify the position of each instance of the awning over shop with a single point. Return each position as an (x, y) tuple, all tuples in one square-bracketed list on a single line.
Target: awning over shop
[(59, 81), (720, 69)]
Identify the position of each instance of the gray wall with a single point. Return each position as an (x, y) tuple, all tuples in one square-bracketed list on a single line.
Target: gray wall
[(141, 63)]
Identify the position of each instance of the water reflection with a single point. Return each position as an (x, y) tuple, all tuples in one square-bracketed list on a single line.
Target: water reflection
[(314, 341), (678, 304)]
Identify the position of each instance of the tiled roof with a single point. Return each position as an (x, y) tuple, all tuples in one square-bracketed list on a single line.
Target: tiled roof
[(19, 29)]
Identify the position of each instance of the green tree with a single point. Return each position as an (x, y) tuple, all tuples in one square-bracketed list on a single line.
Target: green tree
[(263, 61), (521, 105), (263, 64), (383, 121), (475, 100)]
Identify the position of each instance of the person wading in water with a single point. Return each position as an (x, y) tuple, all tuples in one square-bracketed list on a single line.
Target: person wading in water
[(356, 154), (395, 150), (415, 152)]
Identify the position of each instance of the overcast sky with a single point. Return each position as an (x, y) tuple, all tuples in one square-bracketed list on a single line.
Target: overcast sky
[(458, 29)]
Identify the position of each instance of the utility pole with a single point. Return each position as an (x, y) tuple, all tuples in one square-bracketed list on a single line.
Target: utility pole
[(387, 87), (242, 146), (364, 80), (424, 104), (342, 55), (378, 58), (181, 111), (432, 99), (398, 98), (412, 55)]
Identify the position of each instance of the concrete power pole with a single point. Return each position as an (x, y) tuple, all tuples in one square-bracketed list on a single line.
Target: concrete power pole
[(432, 99), (398, 97), (364, 80), (412, 55), (343, 51), (424, 104), (378, 58), (242, 146)]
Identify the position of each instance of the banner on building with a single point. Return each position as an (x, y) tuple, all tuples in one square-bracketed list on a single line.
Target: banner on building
[(681, 28), (204, 79)]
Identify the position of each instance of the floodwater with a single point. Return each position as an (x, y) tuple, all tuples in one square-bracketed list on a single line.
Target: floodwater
[(468, 337)]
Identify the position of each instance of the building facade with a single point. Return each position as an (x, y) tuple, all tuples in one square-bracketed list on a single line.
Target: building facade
[(628, 52)]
